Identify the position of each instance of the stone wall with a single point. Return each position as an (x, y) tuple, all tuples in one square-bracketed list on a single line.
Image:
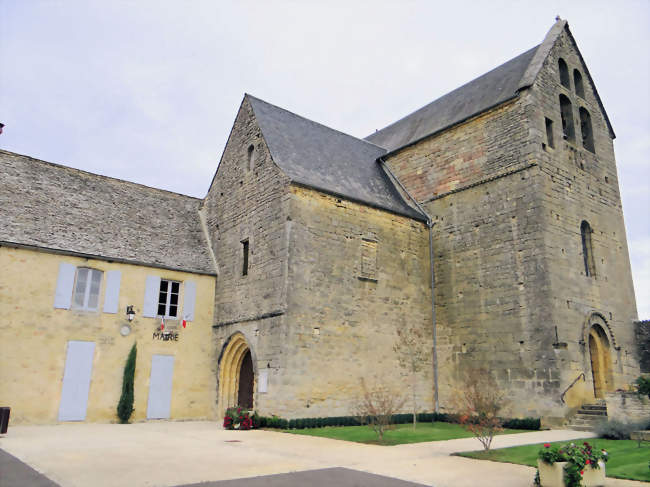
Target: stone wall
[(579, 185), (491, 294), (249, 202), (490, 291), (489, 145), (643, 344), (628, 407), (357, 275), (511, 291)]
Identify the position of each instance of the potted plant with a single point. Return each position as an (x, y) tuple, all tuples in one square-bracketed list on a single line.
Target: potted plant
[(571, 466), (238, 419)]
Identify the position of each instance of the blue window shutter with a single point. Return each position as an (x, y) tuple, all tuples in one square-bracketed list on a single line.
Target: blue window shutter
[(64, 284), (189, 300), (151, 296), (111, 298)]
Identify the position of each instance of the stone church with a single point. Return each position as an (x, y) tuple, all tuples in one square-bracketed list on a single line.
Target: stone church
[(489, 220)]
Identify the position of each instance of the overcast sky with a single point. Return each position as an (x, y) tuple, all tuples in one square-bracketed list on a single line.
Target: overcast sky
[(147, 91)]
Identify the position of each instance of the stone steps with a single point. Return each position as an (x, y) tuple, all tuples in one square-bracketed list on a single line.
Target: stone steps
[(589, 416)]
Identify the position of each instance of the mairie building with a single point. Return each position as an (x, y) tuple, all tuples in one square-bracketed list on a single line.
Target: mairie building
[(489, 221)]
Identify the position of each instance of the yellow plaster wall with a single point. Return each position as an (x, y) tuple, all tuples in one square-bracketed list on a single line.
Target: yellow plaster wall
[(35, 336)]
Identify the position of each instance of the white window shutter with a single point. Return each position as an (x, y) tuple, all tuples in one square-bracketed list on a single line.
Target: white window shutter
[(111, 298), (151, 297), (64, 284), (189, 300)]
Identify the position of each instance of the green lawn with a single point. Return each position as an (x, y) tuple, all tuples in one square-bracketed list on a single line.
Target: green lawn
[(402, 433), (626, 461)]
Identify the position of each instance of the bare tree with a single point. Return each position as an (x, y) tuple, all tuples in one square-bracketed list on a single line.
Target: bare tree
[(413, 352), (479, 401), (377, 407)]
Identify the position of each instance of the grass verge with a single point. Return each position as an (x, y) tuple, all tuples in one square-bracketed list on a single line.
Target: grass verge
[(400, 434), (626, 460)]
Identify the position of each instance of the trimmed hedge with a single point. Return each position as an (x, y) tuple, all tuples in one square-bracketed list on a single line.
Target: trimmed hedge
[(303, 423), (405, 418), (523, 424)]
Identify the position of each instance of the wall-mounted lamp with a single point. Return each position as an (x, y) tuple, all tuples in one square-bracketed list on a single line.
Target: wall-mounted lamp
[(130, 314)]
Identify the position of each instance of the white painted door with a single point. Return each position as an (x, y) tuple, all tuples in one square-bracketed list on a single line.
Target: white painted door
[(160, 387), (76, 381)]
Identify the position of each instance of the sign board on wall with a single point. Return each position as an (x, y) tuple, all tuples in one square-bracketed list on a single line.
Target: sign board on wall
[(263, 382)]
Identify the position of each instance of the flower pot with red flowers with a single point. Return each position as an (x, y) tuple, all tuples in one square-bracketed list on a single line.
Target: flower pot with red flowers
[(571, 466), (238, 418)]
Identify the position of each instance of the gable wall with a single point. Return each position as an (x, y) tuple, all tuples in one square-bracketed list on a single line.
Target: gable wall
[(580, 185), (492, 143), (249, 204)]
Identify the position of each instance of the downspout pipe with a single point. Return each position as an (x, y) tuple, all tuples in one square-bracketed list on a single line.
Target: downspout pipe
[(430, 225)]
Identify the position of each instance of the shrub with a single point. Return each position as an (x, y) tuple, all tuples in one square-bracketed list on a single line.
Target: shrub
[(643, 386), (425, 417), (617, 430), (480, 400), (125, 406), (377, 408), (523, 424)]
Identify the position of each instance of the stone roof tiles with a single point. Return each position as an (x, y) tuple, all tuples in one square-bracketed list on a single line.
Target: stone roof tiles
[(63, 209), (319, 157), (479, 95)]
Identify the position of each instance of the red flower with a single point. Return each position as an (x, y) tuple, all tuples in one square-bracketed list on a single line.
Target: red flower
[(582, 472), (588, 462), (547, 445)]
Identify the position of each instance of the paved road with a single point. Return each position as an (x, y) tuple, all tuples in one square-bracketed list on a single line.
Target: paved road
[(14, 473), (167, 454)]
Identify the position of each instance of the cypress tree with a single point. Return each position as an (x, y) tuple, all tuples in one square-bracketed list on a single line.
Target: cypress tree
[(125, 406)]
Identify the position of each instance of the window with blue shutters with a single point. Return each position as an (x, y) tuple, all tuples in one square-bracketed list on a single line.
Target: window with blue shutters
[(86, 289), (168, 298), (162, 298)]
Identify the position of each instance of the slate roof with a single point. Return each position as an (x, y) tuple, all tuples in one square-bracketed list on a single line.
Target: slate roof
[(64, 209), (477, 96), (493, 88), (322, 158)]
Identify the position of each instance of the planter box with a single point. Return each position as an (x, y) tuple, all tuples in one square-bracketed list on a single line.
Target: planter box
[(594, 477), (553, 475)]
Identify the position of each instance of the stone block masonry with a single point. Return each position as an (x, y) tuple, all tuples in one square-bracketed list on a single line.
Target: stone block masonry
[(628, 407)]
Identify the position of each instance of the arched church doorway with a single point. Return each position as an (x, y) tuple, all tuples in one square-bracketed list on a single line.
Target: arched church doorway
[(601, 361), (236, 374), (245, 393)]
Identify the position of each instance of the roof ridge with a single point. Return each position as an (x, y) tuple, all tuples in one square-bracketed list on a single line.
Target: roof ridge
[(543, 50), (74, 169), (312, 121)]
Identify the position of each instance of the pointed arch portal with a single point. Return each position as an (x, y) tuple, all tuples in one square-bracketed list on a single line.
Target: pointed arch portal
[(236, 374), (601, 360)]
